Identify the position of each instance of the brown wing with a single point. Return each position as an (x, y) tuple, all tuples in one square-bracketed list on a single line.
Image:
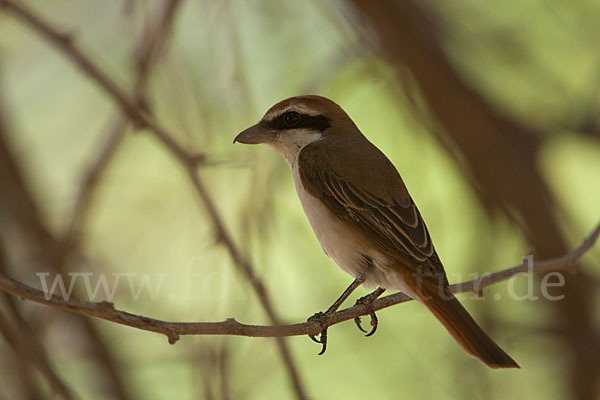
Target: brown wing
[(386, 214)]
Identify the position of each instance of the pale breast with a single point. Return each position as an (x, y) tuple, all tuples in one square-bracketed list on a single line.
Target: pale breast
[(334, 238), (345, 245)]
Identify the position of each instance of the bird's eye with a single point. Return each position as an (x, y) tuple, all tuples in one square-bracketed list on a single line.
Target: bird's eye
[(291, 119)]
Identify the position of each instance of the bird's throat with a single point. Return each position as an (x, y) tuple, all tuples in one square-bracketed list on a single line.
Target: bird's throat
[(289, 144)]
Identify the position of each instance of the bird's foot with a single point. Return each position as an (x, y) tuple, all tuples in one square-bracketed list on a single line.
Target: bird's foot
[(323, 320), (367, 301)]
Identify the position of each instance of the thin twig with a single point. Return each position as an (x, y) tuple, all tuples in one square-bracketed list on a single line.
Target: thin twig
[(26, 345), (247, 269), (540, 267), (64, 43), (29, 350), (190, 161), (22, 210), (21, 365), (173, 330), (151, 43)]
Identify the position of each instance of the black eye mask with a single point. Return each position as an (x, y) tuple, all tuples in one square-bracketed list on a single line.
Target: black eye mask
[(294, 120)]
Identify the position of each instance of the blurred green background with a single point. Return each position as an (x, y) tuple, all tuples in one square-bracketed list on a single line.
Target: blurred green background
[(222, 66)]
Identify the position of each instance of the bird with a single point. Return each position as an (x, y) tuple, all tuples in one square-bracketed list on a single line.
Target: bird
[(363, 216)]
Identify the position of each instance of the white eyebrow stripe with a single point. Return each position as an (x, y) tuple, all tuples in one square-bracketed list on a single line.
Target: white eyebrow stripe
[(299, 108)]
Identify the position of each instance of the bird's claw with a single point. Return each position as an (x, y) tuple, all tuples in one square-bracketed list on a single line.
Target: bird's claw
[(321, 318), (358, 325), (367, 301)]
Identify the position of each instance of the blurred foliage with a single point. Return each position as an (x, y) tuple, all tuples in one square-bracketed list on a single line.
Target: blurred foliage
[(226, 63)]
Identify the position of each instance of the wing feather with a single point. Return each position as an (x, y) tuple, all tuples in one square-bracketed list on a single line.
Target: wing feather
[(391, 221), (387, 221)]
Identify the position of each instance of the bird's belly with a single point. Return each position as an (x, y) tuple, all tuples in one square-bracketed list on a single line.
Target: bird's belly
[(347, 247), (336, 240)]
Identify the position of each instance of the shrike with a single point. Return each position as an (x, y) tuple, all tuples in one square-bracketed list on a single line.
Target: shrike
[(363, 215)]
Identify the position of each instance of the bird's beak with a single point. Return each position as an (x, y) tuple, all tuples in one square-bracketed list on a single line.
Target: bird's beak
[(254, 135)]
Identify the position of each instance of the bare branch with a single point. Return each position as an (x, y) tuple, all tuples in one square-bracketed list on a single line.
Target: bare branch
[(30, 351), (173, 330), (189, 161), (20, 205), (540, 267), (151, 42), (64, 43)]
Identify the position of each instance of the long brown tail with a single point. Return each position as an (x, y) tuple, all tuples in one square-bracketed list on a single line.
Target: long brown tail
[(465, 330)]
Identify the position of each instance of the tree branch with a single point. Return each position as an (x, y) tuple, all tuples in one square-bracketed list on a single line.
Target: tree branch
[(499, 154), (188, 160), (64, 43), (151, 43), (28, 349), (173, 330)]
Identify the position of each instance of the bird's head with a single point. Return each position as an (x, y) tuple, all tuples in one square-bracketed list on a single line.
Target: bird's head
[(295, 122)]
